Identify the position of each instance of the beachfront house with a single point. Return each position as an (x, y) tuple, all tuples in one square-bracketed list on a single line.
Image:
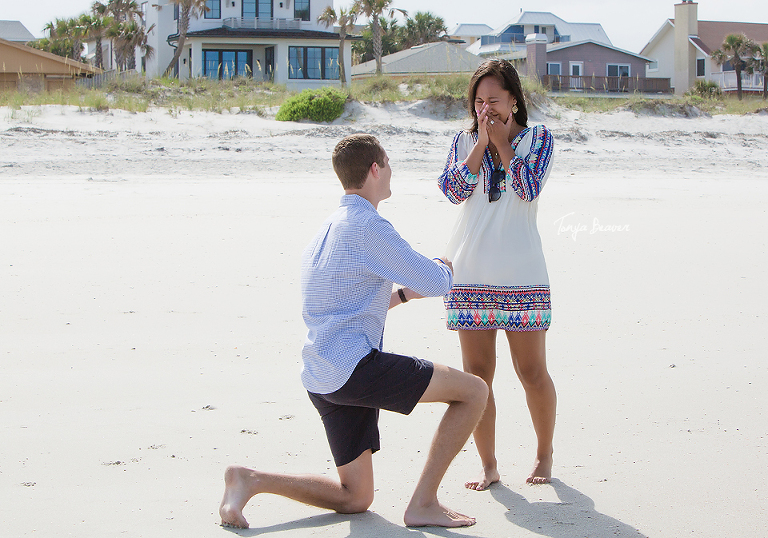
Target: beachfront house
[(28, 69), (681, 50), (586, 66), (567, 56), (510, 37), (277, 40), (438, 58)]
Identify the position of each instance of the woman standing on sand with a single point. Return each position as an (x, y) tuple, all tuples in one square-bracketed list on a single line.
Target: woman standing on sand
[(497, 169)]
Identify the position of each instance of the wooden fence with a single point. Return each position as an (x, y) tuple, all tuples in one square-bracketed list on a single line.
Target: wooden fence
[(563, 83), (97, 81)]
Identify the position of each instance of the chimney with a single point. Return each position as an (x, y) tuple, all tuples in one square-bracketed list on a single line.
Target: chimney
[(686, 26), (536, 55)]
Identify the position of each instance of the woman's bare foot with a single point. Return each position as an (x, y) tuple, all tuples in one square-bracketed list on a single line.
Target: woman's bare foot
[(435, 515), (238, 490), (542, 471), (487, 477)]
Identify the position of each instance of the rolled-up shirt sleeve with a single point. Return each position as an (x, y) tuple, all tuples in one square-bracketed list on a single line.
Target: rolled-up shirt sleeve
[(391, 257)]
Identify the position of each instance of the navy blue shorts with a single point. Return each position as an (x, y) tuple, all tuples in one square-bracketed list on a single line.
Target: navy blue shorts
[(380, 381)]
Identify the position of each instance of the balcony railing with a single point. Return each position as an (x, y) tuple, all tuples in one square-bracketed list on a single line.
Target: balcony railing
[(749, 82), (597, 84), (262, 23), (517, 38)]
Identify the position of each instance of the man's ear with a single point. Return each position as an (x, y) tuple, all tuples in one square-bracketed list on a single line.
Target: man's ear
[(375, 169)]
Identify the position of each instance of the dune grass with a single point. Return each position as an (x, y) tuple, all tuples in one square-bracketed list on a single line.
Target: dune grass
[(639, 103), (137, 94)]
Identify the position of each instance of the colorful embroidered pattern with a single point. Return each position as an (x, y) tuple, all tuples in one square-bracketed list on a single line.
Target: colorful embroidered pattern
[(526, 174), (453, 181), (510, 308)]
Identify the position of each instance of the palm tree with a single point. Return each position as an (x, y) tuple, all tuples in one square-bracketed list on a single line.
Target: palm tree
[(187, 9), (362, 50), (761, 66), (117, 34), (423, 28), (375, 9), (118, 15), (346, 21), (737, 49), (96, 29), (64, 38)]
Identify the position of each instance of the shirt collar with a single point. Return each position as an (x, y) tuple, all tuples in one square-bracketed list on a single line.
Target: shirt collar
[(355, 200)]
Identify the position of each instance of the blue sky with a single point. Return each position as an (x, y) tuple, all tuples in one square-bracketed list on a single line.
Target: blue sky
[(628, 23)]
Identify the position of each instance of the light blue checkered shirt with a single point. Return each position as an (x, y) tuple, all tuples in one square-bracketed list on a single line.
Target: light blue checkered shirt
[(347, 273)]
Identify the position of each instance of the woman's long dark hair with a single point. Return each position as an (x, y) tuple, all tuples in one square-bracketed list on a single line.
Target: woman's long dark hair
[(507, 76)]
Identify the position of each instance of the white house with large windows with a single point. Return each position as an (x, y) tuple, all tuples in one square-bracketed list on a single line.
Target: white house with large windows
[(277, 40)]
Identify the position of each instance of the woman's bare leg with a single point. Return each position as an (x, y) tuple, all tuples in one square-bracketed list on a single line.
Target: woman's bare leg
[(478, 353), (529, 358)]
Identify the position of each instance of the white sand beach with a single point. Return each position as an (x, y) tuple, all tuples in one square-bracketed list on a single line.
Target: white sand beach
[(150, 324)]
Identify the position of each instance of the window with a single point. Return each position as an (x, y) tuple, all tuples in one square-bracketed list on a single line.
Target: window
[(332, 64), (313, 63), (249, 9), (226, 64), (618, 70), (553, 68), (301, 9), (701, 67), (214, 9), (653, 65), (261, 9)]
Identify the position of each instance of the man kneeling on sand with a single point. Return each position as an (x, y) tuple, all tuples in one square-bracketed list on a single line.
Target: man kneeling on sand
[(347, 274)]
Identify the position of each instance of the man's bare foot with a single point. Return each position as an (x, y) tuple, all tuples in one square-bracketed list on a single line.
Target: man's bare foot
[(237, 493), (487, 477), (435, 515), (542, 471)]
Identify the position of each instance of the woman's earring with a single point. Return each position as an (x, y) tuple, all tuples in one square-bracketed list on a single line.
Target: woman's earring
[(514, 108)]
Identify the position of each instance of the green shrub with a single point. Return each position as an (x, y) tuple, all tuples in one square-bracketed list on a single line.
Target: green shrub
[(323, 104), (706, 88)]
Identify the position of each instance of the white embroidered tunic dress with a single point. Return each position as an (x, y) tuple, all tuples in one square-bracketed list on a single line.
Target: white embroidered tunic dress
[(500, 276)]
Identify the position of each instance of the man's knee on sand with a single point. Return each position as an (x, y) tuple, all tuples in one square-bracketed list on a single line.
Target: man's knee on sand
[(357, 502)]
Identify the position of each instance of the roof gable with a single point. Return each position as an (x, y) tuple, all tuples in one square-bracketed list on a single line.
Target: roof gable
[(44, 62), (560, 46), (578, 31), (15, 31), (472, 30), (437, 57), (667, 26), (712, 33)]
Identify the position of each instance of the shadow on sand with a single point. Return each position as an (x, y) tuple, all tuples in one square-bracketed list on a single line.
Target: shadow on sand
[(574, 515), (364, 525)]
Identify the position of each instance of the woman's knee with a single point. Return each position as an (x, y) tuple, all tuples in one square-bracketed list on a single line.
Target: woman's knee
[(533, 374)]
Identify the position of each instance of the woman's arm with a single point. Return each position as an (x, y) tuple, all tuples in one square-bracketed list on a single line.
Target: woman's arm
[(527, 174), (457, 180)]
